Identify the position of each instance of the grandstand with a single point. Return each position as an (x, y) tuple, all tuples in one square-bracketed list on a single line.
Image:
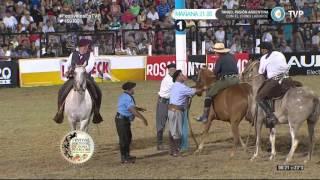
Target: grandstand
[(40, 28)]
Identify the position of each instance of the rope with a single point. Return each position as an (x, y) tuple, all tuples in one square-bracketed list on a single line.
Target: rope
[(191, 132)]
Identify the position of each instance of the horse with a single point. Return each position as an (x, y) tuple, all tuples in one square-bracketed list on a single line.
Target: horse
[(230, 105), (296, 106), (78, 103)]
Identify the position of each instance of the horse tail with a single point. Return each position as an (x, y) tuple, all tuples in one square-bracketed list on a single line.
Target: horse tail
[(316, 111)]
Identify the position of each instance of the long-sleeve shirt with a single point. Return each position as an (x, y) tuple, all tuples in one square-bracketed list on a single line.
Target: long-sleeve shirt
[(226, 65), (165, 87), (89, 66), (275, 64), (180, 93)]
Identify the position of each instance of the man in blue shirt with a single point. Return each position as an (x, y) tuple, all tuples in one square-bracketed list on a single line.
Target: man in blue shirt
[(179, 95), (127, 111), (163, 8)]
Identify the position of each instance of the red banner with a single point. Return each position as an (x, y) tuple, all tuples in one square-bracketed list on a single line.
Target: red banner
[(242, 59), (156, 66)]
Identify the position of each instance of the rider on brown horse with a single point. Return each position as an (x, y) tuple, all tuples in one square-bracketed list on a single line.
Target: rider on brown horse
[(274, 64), (83, 56), (226, 72)]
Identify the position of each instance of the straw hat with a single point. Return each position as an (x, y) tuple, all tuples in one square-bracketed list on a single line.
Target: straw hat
[(219, 48)]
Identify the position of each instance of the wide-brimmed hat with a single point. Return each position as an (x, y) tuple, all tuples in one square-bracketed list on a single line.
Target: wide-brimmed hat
[(128, 85), (219, 48)]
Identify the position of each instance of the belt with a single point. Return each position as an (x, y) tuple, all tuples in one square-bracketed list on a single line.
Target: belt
[(120, 116), (280, 76), (163, 100), (229, 76), (173, 107)]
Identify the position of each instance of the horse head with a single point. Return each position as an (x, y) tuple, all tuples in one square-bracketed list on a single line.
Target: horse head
[(80, 78), (204, 78), (250, 72)]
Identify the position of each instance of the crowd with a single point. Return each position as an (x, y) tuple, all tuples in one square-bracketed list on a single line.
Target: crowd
[(131, 26)]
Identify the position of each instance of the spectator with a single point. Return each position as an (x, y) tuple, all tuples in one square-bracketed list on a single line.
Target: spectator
[(142, 17), (163, 8), (231, 4), (10, 21), (220, 35), (207, 4), (98, 26), (26, 19), (284, 47), (135, 8), (115, 24), (316, 41), (133, 25), (267, 37), (48, 27), (153, 14), (115, 9), (297, 41)]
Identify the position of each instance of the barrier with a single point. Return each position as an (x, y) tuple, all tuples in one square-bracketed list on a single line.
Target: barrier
[(50, 71), (8, 74), (156, 66)]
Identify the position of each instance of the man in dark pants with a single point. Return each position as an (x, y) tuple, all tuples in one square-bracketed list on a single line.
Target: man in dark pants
[(127, 111), (274, 64), (226, 71), (162, 105), (81, 57)]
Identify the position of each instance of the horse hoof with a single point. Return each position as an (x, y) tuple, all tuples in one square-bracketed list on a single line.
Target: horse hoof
[(197, 152), (253, 158), (272, 157)]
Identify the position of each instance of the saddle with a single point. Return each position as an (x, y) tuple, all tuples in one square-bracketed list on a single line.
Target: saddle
[(286, 84)]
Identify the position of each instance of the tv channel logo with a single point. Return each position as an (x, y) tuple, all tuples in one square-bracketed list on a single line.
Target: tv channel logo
[(278, 14)]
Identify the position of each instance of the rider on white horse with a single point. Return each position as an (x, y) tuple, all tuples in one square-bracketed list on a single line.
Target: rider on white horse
[(83, 56)]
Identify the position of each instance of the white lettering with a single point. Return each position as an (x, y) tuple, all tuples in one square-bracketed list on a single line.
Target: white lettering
[(149, 70), (294, 61)]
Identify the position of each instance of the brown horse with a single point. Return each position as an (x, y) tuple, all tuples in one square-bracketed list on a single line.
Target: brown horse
[(230, 105)]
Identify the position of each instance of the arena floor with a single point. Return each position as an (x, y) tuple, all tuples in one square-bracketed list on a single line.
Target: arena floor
[(29, 142)]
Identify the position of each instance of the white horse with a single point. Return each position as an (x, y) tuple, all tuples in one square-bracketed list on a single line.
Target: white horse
[(78, 104)]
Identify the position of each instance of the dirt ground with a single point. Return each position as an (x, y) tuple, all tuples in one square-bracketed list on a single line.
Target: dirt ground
[(30, 139)]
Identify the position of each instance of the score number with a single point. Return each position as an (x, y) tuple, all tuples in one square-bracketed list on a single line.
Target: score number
[(180, 25)]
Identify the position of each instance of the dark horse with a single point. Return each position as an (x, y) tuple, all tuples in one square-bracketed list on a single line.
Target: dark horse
[(230, 105)]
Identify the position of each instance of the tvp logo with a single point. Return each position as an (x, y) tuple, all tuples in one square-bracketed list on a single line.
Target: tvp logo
[(278, 14)]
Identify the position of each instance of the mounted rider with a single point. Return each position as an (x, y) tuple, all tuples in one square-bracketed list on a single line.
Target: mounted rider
[(80, 57), (226, 71), (274, 65)]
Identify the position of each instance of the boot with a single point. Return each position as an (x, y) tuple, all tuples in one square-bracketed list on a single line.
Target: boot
[(160, 146), (171, 145), (204, 116), (176, 147), (206, 109), (271, 118)]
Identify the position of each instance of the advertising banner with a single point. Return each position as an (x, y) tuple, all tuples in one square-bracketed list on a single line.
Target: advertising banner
[(303, 63), (8, 74), (156, 66)]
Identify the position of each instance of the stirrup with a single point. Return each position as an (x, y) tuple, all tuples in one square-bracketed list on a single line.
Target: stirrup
[(201, 119)]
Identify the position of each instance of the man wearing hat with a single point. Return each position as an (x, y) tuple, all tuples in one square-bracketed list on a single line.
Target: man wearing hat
[(162, 104), (274, 64), (226, 71), (127, 111), (81, 57), (178, 102)]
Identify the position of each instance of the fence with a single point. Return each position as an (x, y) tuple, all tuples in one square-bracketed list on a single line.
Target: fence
[(286, 37)]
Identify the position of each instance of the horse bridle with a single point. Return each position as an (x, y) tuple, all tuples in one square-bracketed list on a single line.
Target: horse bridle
[(249, 68)]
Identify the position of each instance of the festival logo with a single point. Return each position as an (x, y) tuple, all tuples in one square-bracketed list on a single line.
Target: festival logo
[(77, 147), (278, 14)]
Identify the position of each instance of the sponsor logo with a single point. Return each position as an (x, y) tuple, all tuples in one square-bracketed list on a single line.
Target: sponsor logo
[(278, 14), (158, 69), (5, 75), (77, 147)]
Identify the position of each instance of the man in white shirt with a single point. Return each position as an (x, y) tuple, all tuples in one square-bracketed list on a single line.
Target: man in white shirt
[(10, 21), (26, 19), (274, 64), (153, 14), (162, 104)]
